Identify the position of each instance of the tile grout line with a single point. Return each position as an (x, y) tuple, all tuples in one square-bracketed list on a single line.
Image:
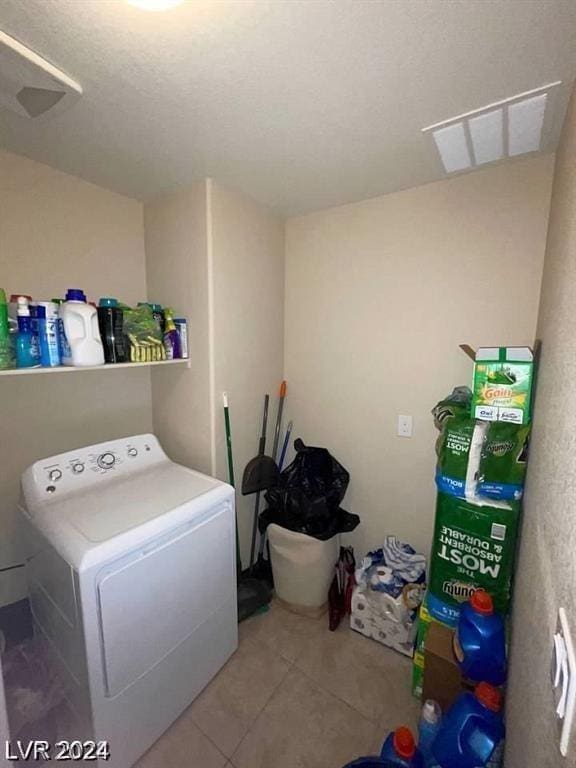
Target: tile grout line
[(336, 696), (291, 665), (229, 759), (216, 747)]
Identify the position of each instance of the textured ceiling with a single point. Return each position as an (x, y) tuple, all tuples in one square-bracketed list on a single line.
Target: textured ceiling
[(301, 104)]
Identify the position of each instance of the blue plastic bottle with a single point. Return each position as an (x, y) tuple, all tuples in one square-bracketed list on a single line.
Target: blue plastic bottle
[(400, 751), (26, 343), (480, 640), (472, 731), (33, 306), (48, 333), (428, 729)]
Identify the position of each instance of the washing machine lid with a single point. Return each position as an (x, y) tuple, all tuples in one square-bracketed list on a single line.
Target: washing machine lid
[(127, 492), (103, 513)]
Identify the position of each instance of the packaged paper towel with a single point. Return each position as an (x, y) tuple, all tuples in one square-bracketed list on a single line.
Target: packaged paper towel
[(474, 547), (390, 587)]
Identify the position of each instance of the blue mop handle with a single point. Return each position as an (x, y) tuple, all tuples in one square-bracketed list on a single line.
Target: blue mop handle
[(285, 446)]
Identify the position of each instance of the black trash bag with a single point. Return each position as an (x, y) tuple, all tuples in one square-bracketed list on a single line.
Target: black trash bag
[(308, 495)]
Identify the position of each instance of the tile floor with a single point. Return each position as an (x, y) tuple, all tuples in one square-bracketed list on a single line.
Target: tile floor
[(294, 695)]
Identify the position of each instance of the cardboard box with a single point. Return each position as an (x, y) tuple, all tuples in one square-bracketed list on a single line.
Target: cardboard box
[(502, 387), (424, 622), (474, 546), (442, 680)]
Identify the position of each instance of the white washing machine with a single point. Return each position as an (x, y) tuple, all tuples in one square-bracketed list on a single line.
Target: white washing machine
[(132, 580)]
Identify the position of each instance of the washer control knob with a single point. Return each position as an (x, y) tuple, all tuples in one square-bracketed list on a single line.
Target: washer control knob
[(132, 451), (106, 460), (78, 468), (54, 475)]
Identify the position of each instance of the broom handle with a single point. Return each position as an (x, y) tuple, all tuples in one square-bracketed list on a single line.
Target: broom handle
[(231, 476), (279, 420)]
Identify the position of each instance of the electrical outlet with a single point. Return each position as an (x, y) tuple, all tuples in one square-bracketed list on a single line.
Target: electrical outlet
[(404, 426), (564, 679)]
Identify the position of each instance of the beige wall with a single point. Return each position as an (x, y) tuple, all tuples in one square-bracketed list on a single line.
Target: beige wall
[(248, 279), (219, 257), (546, 577), (177, 272), (379, 295), (57, 231)]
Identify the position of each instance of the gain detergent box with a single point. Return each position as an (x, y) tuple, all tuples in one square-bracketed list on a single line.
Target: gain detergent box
[(503, 384), (424, 621), (474, 546)]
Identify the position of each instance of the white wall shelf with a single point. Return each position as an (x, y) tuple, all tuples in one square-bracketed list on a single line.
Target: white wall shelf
[(79, 369)]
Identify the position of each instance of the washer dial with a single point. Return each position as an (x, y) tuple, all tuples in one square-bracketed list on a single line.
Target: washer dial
[(106, 460)]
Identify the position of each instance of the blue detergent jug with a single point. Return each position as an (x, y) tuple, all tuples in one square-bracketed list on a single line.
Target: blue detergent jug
[(472, 730), (480, 641), (399, 751)]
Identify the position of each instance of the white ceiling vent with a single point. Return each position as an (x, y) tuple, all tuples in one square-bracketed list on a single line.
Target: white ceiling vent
[(505, 128), (30, 85)]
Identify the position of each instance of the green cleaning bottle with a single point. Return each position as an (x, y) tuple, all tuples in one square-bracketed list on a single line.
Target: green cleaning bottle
[(171, 337), (5, 354)]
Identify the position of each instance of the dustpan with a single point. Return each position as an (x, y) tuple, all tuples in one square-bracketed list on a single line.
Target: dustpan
[(260, 474), (253, 596)]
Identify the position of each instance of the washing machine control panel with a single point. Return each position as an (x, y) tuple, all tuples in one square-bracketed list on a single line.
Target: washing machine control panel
[(71, 471), (106, 460)]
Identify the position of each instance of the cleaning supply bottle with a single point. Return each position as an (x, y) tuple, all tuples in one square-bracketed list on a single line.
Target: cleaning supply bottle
[(5, 355), (13, 322), (171, 338), (82, 345), (472, 732), (428, 729), (182, 327), (27, 353), (62, 340), (159, 317), (111, 324), (400, 750), (480, 641), (48, 340)]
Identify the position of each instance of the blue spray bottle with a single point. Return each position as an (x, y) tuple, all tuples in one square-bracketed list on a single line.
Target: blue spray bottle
[(27, 353)]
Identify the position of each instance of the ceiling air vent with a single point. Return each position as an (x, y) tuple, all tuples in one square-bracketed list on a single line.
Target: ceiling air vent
[(505, 128), (30, 85)]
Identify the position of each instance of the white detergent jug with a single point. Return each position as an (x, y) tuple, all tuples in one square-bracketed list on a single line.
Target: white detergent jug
[(81, 344)]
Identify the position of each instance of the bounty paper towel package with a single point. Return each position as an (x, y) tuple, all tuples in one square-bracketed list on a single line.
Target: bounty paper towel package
[(453, 449), (503, 384), (503, 460), (459, 450), (474, 546)]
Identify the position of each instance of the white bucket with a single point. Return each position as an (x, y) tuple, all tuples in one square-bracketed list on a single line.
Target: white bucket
[(303, 568)]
